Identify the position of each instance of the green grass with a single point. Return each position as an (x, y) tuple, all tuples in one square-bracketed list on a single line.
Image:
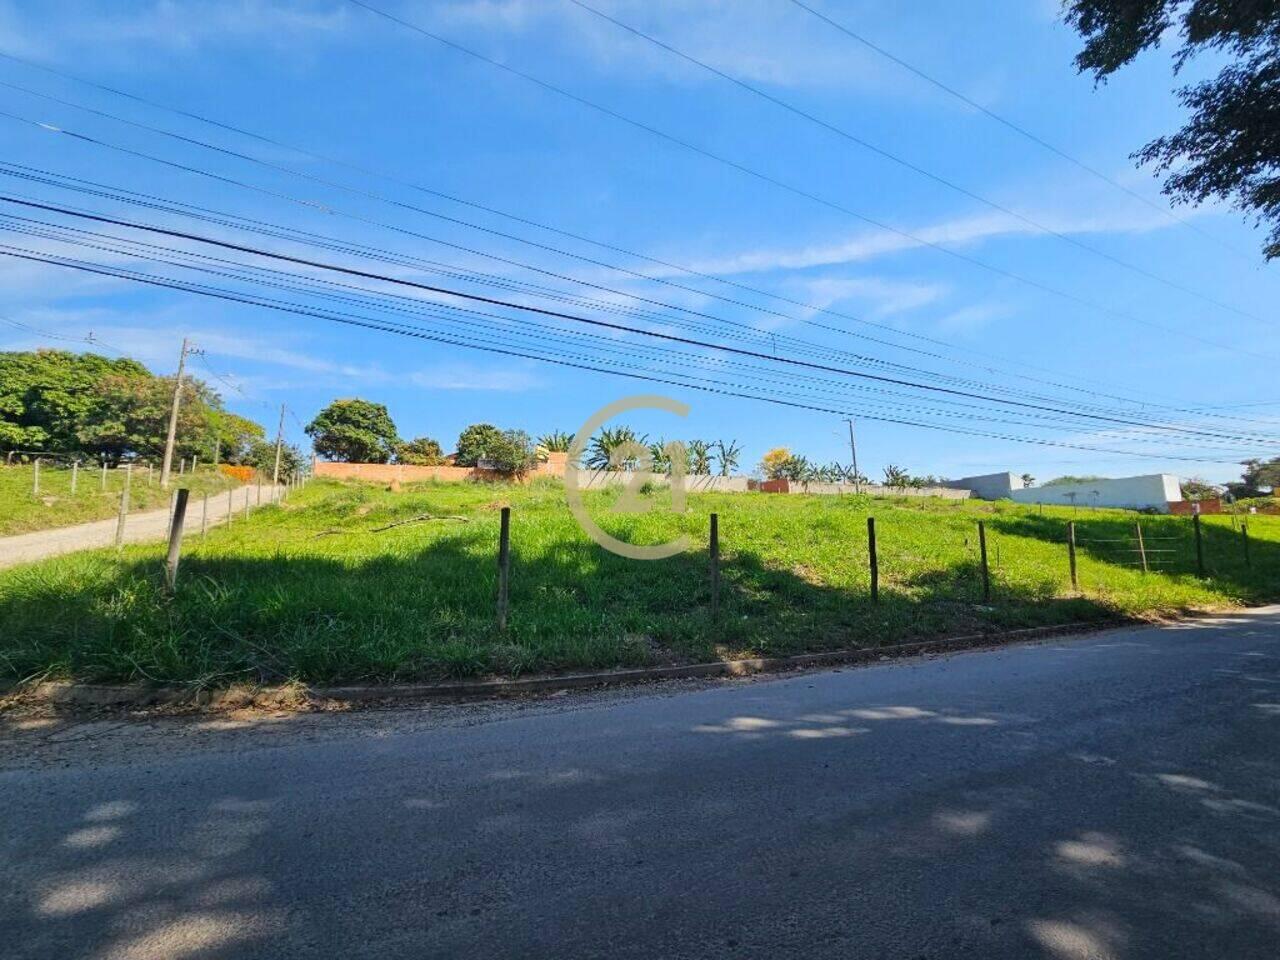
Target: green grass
[(23, 511), (308, 591)]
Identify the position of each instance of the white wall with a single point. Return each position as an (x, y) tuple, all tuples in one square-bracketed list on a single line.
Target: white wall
[(989, 486), (1153, 491)]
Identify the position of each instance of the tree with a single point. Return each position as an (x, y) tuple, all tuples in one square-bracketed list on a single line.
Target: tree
[(774, 463), (896, 477), (1028, 480), (474, 443), (727, 455), (233, 437), (1068, 479), (615, 448), (355, 431), (420, 451), (557, 441), (1193, 488), (262, 457), (699, 457), (1260, 477), (512, 453), (1230, 147)]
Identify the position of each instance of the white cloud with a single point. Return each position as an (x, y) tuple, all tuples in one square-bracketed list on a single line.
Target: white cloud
[(955, 232), (64, 26)]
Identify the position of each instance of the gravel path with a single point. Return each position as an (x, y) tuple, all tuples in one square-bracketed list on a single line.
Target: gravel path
[(139, 527)]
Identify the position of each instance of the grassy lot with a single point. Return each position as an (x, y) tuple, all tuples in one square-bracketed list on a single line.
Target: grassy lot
[(22, 511), (313, 591)]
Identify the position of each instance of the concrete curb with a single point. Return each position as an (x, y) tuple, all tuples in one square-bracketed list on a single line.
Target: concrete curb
[(101, 695)]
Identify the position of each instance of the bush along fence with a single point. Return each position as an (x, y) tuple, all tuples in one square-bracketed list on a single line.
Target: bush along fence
[(1180, 553)]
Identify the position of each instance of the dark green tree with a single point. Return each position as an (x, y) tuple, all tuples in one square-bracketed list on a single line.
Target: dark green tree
[(46, 396), (1230, 146), (1260, 477), (233, 437), (262, 456), (475, 443), (355, 431)]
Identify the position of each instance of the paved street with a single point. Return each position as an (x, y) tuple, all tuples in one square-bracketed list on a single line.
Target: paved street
[(1113, 796)]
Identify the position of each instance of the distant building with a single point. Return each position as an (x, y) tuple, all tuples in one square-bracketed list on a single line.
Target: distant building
[(1154, 491), (988, 486)]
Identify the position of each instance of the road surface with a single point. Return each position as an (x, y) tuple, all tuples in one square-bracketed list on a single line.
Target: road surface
[(1115, 796), (139, 527)]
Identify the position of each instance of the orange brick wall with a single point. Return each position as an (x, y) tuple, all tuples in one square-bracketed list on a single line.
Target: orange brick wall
[(411, 473)]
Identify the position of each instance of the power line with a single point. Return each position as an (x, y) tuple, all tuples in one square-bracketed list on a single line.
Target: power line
[(351, 271), (914, 167), (506, 260), (530, 222), (1015, 127), (347, 247), (225, 295), (800, 191), (612, 344)]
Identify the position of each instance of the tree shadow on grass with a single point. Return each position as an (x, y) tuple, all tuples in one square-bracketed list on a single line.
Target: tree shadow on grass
[(419, 610)]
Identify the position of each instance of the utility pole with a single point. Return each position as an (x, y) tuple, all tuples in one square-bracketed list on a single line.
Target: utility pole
[(853, 452), (173, 417), (275, 477)]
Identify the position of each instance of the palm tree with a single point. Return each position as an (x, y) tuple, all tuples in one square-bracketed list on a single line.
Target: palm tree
[(617, 448), (699, 457), (557, 441), (896, 477), (727, 454)]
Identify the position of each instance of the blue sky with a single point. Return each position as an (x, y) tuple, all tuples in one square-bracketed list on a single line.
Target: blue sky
[(336, 80)]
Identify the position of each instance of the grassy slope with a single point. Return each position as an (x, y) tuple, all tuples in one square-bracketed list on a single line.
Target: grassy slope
[(308, 591), (23, 512)]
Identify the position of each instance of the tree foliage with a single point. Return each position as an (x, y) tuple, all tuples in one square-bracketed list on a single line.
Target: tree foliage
[(474, 443), (1260, 477), (60, 402), (355, 431), (420, 451), (1230, 147)]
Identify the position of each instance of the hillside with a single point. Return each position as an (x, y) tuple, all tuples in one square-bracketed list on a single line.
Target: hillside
[(352, 582)]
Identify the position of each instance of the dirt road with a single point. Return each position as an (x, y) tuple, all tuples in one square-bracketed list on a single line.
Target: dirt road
[(139, 527)]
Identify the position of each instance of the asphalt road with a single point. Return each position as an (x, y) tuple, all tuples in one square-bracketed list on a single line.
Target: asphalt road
[(1110, 796)]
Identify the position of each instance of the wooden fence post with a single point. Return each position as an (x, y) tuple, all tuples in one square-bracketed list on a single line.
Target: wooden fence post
[(75, 475), (1244, 536), (246, 503), (231, 505), (1071, 553), (35, 479), (124, 505), (1195, 522), (504, 567), (104, 476), (1142, 547), (204, 516), (986, 570), (175, 538), (714, 552), (875, 561)]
